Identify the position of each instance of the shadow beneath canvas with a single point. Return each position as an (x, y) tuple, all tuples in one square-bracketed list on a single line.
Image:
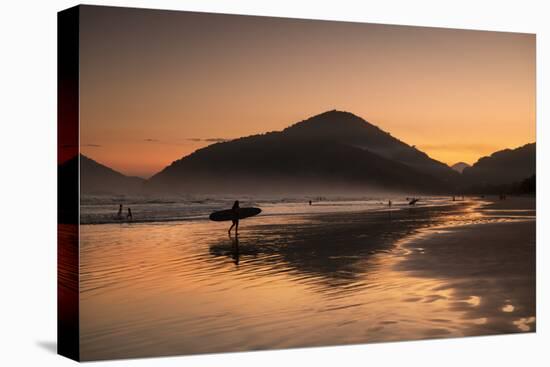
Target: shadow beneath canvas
[(48, 345)]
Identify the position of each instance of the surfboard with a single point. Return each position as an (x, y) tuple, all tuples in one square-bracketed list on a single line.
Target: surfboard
[(224, 215)]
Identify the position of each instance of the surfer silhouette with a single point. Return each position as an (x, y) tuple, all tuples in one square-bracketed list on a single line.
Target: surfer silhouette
[(129, 215), (119, 215), (235, 218), (235, 214)]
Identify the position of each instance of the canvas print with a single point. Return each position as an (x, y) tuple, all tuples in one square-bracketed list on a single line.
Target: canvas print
[(236, 183)]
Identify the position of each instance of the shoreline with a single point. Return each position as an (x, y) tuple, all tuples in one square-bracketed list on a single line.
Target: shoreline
[(382, 209), (490, 267), (360, 277)]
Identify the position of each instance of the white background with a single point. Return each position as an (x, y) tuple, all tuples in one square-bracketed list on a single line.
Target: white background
[(28, 182)]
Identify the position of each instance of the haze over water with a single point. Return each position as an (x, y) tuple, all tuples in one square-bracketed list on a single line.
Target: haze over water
[(303, 279)]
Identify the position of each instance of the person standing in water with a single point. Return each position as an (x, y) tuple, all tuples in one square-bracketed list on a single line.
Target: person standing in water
[(235, 220), (119, 215), (129, 215)]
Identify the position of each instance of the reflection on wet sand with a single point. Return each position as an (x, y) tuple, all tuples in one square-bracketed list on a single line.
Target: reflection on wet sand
[(294, 281), (333, 248), (491, 265)]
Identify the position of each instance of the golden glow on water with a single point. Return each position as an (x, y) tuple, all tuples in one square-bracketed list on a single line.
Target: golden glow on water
[(474, 300), (181, 287), (525, 323), (508, 308), (158, 293)]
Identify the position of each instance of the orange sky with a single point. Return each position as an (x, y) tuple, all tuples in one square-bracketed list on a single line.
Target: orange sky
[(154, 82)]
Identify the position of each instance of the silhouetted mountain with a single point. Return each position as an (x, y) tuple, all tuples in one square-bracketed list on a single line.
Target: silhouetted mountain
[(503, 167), (333, 150), (459, 167), (523, 187), (527, 186), (349, 129), (96, 178)]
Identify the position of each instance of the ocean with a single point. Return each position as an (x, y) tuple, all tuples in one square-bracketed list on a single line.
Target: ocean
[(103, 209), (339, 271)]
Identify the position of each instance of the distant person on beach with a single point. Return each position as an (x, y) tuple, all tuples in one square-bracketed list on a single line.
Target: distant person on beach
[(129, 215), (119, 215), (310, 202), (389, 203), (235, 220)]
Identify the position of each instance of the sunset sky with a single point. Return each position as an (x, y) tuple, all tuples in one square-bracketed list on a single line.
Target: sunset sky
[(157, 85)]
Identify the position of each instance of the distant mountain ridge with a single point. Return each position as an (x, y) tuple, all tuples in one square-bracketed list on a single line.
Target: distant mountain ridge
[(335, 149), (459, 167), (96, 178), (352, 130), (331, 152), (503, 167)]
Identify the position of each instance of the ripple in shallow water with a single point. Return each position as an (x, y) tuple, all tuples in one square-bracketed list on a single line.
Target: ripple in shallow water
[(290, 281)]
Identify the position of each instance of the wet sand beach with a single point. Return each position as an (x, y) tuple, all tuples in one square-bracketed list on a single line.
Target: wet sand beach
[(166, 288), (491, 265)]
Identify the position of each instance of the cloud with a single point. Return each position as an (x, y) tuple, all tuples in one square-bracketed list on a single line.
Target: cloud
[(209, 140), (196, 140), (216, 140)]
